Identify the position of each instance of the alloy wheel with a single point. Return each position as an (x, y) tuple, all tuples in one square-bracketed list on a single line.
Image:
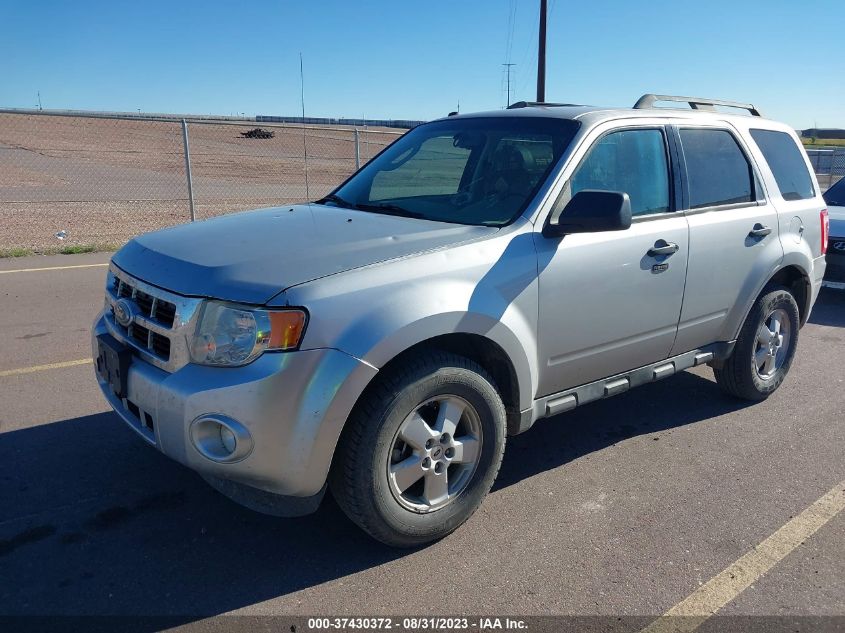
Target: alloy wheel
[(772, 345), (435, 453)]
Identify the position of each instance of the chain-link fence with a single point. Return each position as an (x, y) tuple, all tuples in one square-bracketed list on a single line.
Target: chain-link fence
[(98, 180), (829, 165)]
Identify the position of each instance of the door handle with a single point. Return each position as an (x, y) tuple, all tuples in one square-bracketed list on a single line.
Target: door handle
[(662, 247), (760, 231)]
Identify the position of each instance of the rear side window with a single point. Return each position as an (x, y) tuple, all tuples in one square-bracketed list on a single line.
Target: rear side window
[(787, 164), (717, 170)]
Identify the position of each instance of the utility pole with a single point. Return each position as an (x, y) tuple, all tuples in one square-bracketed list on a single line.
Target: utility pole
[(508, 67), (541, 54)]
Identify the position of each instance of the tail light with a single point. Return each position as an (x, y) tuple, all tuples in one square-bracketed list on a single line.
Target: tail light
[(825, 230)]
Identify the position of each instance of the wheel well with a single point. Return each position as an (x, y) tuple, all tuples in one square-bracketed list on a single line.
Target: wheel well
[(794, 278), (482, 351)]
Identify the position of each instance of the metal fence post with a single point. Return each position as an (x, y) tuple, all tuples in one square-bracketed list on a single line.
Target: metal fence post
[(188, 167), (357, 150)]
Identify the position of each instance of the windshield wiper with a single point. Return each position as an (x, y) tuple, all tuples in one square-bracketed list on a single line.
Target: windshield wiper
[(337, 200), (386, 208), (390, 209)]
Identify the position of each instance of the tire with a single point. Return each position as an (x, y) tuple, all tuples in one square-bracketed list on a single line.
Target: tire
[(759, 363), (385, 445)]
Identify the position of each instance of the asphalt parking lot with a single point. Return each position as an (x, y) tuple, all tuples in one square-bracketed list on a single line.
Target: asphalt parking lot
[(626, 507)]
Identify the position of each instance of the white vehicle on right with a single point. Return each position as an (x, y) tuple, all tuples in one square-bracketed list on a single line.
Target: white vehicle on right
[(835, 198)]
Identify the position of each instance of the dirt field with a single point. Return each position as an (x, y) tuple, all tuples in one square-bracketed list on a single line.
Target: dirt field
[(104, 180)]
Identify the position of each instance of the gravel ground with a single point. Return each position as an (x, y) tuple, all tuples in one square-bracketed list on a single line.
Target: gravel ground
[(102, 181)]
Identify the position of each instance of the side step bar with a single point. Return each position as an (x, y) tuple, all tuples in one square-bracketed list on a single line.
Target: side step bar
[(569, 399)]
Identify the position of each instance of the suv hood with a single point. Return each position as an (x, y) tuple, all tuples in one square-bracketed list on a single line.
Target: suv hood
[(251, 257)]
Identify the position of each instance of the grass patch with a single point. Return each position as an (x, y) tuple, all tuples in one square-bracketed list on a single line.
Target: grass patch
[(16, 252), (823, 142), (69, 249), (77, 249)]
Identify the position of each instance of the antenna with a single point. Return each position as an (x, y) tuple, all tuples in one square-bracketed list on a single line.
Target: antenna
[(304, 143), (508, 66)]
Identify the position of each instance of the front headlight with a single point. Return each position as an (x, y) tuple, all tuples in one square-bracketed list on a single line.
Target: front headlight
[(228, 335)]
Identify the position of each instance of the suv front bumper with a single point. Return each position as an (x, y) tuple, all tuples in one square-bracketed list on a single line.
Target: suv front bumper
[(293, 405)]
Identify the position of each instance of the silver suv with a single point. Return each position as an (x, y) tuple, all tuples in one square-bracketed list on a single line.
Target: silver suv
[(481, 273)]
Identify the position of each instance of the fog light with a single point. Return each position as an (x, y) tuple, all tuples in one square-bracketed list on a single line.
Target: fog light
[(220, 438), (228, 439)]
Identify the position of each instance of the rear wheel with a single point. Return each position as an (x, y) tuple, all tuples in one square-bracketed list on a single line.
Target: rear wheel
[(421, 450), (765, 348)]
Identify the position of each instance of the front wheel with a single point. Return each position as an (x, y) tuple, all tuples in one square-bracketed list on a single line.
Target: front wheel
[(421, 450), (765, 348)]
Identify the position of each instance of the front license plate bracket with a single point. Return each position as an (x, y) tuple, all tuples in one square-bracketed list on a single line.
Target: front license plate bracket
[(113, 360)]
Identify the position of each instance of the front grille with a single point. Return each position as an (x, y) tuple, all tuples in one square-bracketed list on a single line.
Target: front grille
[(141, 420), (154, 310), (145, 302), (161, 322), (157, 343), (159, 310), (165, 312)]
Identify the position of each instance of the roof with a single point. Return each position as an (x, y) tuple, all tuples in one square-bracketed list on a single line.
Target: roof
[(596, 114)]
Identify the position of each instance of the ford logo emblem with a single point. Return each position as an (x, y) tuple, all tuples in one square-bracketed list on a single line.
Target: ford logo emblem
[(124, 312), (839, 246)]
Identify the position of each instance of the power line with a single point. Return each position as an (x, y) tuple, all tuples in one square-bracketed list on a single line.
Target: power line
[(509, 48), (510, 31), (508, 70)]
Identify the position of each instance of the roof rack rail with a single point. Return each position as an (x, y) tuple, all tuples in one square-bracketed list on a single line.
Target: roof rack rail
[(531, 104), (696, 103)]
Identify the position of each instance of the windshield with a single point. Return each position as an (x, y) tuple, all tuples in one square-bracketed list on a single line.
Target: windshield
[(481, 171), (835, 196)]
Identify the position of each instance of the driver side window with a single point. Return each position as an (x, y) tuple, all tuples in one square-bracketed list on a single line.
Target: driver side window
[(631, 161)]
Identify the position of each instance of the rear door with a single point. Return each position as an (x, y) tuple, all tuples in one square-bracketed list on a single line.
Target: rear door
[(734, 243)]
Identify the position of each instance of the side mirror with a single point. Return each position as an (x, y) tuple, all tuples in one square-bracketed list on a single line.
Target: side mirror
[(592, 211)]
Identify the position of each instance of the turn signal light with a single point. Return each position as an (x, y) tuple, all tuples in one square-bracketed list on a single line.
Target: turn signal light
[(286, 327)]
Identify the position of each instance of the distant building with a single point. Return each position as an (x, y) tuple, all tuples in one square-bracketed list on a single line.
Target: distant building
[(312, 120), (829, 133)]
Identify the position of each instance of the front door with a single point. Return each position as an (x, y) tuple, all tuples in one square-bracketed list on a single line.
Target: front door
[(610, 302)]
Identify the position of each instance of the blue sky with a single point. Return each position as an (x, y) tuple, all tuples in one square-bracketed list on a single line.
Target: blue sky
[(399, 59)]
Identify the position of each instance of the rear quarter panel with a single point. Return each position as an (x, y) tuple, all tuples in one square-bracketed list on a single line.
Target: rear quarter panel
[(799, 223)]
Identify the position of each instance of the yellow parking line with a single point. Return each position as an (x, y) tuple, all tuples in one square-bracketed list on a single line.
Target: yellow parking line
[(695, 609), (31, 370), (32, 270)]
